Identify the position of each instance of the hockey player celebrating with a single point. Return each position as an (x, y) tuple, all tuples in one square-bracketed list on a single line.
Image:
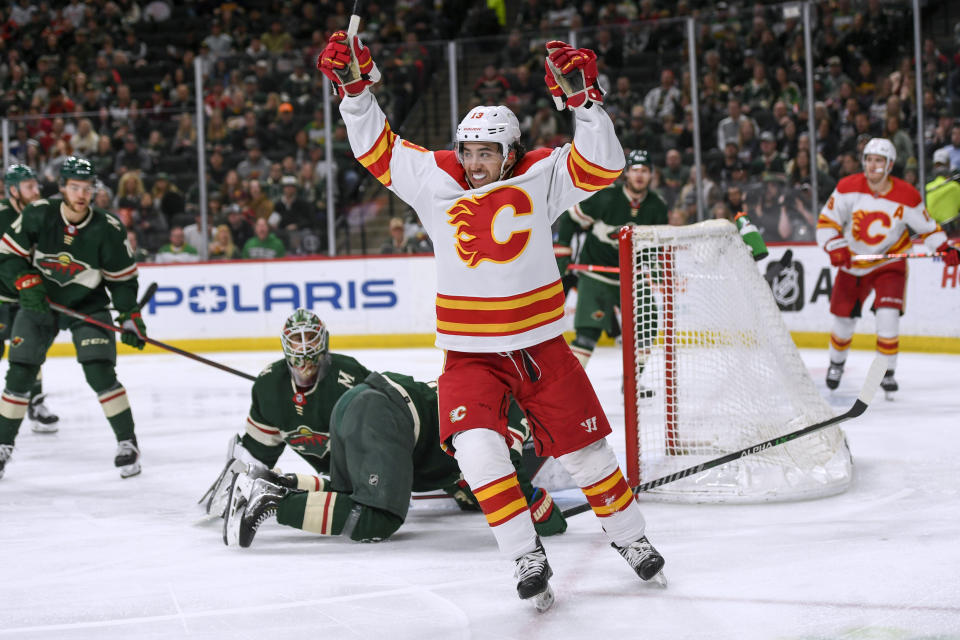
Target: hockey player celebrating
[(488, 207), (374, 437), (82, 252), (602, 215), (873, 213), (20, 183)]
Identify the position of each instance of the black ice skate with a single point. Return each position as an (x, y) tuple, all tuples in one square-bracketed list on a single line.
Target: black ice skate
[(889, 384), (253, 499), (533, 574), (42, 420), (644, 559), (834, 373), (127, 458), (6, 450)]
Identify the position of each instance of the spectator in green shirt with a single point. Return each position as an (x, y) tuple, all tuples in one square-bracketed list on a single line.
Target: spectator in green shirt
[(177, 250), (263, 245)]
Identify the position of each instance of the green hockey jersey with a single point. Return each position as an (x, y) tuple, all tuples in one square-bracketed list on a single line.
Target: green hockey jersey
[(282, 415), (602, 215), (79, 263), (8, 214)]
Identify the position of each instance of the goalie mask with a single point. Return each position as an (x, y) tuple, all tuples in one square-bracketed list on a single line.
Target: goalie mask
[(305, 343), (496, 124), (880, 147)]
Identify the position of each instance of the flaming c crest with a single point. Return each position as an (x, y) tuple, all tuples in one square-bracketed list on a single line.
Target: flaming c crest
[(861, 225), (473, 219)]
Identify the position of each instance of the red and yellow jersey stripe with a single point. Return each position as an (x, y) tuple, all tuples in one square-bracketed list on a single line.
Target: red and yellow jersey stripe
[(377, 159), (587, 175), (609, 496), (469, 316), (501, 500)]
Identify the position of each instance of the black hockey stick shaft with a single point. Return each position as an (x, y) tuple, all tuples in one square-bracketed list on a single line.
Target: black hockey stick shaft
[(870, 385), (147, 295), (156, 343)]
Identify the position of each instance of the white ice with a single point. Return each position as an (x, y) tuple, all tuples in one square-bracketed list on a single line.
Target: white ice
[(85, 554)]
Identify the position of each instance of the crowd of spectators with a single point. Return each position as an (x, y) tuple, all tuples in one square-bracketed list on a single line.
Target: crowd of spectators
[(754, 130), (113, 81)]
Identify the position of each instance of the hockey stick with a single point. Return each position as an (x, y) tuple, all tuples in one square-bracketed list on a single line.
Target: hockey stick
[(156, 343), (885, 256), (147, 295), (870, 385), (593, 267)]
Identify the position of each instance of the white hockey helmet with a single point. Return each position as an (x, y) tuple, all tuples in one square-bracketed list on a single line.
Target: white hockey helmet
[(880, 147), (489, 124)]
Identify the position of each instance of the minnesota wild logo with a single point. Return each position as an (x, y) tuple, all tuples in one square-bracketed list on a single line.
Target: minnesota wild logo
[(306, 441), (63, 268)]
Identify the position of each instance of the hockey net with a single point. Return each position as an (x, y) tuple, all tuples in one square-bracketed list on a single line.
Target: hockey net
[(702, 331)]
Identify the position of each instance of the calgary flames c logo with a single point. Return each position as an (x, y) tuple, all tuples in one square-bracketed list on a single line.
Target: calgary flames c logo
[(861, 225), (474, 217)]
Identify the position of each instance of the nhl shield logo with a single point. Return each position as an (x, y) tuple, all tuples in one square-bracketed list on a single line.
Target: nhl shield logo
[(374, 480), (299, 399), (786, 282)]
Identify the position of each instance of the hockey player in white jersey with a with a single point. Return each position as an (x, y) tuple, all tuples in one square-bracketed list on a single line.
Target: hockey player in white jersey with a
[(488, 206), (873, 213)]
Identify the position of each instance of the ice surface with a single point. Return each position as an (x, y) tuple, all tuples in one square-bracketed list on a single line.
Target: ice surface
[(85, 554)]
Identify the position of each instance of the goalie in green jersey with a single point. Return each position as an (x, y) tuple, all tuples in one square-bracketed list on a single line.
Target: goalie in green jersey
[(373, 438), (21, 188), (76, 255)]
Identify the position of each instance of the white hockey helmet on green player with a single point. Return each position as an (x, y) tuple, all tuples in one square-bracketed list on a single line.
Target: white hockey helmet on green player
[(880, 147), (305, 341), (497, 124)]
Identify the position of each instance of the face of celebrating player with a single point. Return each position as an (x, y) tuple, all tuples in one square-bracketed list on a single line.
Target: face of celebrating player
[(77, 195), (482, 162), (638, 178), (25, 192), (875, 168)]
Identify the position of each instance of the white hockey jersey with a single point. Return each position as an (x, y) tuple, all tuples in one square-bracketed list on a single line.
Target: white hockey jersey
[(498, 286), (876, 223)]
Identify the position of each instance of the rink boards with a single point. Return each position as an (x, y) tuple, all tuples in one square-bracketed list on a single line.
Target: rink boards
[(385, 301)]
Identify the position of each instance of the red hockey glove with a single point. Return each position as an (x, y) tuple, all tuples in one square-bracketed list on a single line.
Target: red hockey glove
[(347, 64), (571, 76), (134, 331), (951, 255), (33, 293), (547, 519), (839, 251)]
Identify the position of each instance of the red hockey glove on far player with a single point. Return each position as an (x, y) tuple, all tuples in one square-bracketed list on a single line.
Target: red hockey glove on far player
[(951, 255), (347, 64), (571, 76), (839, 251)]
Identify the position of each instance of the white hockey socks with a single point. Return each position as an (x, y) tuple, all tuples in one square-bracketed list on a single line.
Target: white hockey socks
[(597, 473), (840, 338), (484, 460), (888, 335)]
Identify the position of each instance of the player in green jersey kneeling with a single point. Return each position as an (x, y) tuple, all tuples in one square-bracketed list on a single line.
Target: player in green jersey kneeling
[(373, 438)]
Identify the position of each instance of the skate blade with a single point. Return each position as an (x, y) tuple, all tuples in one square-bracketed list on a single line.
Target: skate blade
[(544, 600), (658, 580), (130, 470), (39, 427), (888, 395)]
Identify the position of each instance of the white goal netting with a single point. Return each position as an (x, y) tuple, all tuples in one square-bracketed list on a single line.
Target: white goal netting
[(702, 331)]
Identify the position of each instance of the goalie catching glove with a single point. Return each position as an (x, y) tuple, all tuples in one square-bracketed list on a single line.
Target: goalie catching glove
[(134, 331), (571, 76), (348, 65), (839, 251)]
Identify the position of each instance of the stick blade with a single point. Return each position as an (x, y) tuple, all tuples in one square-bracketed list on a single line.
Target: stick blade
[(872, 380)]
